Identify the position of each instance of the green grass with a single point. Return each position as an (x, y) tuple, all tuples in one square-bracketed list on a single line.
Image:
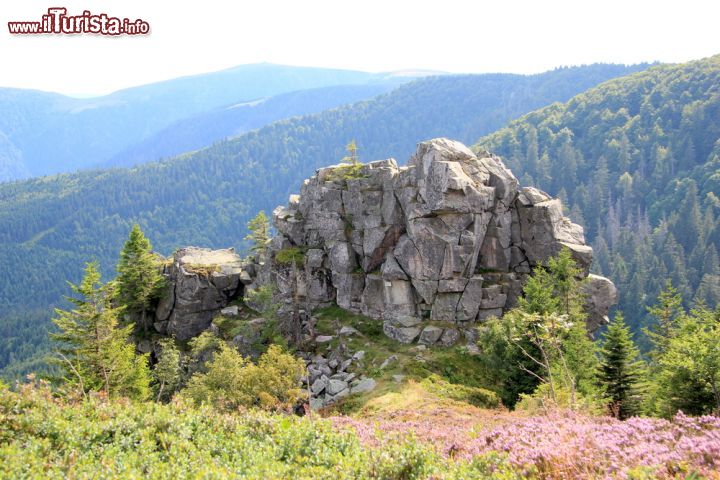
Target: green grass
[(264, 335), (450, 372), (351, 171), (478, 397), (232, 326), (331, 317), (287, 256)]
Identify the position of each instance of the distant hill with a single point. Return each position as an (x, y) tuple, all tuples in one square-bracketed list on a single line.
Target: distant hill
[(43, 133), (49, 226), (228, 121), (637, 161)]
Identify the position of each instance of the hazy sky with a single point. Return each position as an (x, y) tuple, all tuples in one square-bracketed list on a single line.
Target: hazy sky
[(373, 35)]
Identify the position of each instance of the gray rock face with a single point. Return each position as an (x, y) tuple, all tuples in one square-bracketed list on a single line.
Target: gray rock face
[(201, 282), (401, 334), (600, 295), (232, 311), (449, 337), (319, 385), (451, 238), (328, 379)]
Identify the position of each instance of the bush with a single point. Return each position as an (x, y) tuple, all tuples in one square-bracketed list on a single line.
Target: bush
[(232, 381), (42, 436), (541, 402), (45, 436)]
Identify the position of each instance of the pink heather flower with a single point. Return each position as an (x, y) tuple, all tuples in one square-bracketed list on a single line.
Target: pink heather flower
[(565, 445)]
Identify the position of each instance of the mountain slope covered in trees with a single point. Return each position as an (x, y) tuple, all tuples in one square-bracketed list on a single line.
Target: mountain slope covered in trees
[(50, 226), (43, 133), (637, 161)]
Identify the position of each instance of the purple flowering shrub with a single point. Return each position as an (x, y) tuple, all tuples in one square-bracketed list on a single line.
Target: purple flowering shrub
[(566, 445)]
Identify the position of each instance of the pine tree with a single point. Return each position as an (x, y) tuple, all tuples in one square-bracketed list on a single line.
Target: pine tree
[(621, 372), (708, 291), (667, 309), (546, 340), (581, 359), (259, 234), (166, 373), (539, 296), (565, 274), (688, 372), (352, 156), (139, 280), (687, 226), (93, 350)]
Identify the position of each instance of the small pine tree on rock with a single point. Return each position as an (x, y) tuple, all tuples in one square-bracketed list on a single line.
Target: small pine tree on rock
[(259, 235), (352, 157)]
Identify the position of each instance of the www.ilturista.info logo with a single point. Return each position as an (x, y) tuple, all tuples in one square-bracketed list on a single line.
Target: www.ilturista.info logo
[(57, 21)]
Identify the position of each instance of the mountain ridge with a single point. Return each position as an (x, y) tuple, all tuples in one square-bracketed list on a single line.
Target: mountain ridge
[(52, 133)]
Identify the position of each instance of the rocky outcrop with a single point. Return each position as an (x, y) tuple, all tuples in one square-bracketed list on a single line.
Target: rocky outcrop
[(449, 238), (201, 282), (600, 294)]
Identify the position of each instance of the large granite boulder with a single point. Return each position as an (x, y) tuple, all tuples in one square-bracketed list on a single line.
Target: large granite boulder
[(600, 295), (449, 238), (201, 282)]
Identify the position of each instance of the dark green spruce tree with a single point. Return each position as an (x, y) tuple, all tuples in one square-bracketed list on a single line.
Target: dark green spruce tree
[(621, 372), (517, 361), (93, 349), (139, 281), (665, 313)]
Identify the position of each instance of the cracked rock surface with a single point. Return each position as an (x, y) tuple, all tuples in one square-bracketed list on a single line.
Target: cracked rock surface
[(449, 238)]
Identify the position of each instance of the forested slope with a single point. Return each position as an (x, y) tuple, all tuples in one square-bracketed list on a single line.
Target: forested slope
[(637, 161)]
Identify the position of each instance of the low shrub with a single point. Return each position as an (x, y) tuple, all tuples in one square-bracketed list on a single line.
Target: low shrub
[(290, 255), (232, 381)]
